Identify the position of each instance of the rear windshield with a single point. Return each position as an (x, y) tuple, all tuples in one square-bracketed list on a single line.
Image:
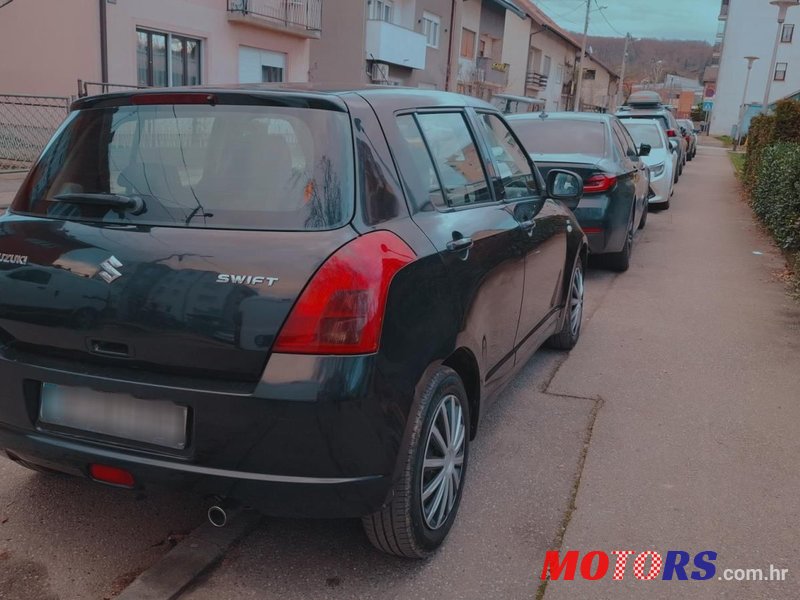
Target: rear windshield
[(561, 136), (645, 133), (663, 119), (236, 167)]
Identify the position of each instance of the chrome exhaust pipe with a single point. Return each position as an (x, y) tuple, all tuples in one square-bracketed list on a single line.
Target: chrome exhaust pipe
[(218, 516)]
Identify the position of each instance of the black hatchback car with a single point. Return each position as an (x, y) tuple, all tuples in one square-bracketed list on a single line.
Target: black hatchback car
[(616, 181), (298, 299)]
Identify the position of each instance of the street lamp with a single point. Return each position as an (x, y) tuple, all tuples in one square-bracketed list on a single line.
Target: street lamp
[(750, 60), (783, 6)]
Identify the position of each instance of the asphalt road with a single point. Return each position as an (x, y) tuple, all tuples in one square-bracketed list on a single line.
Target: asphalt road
[(682, 396)]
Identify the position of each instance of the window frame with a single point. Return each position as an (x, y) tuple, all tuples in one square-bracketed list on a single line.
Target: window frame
[(790, 28), (781, 71), (379, 10), (474, 34), (169, 37), (477, 141), (489, 157), (432, 22)]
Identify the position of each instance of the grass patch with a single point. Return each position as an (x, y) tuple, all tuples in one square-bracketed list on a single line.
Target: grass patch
[(737, 159), (725, 139)]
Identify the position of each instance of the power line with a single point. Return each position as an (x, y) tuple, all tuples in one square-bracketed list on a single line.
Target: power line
[(602, 14), (5, 3)]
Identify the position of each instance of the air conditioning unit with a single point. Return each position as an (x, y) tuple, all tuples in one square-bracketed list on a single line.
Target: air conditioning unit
[(379, 73)]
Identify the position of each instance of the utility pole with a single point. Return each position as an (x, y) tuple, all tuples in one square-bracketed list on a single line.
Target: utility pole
[(621, 89), (579, 86)]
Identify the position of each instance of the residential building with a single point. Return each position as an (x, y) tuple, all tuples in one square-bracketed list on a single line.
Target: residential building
[(390, 42), (749, 28), (551, 67), (49, 45)]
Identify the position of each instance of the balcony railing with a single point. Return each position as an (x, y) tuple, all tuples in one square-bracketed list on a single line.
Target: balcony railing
[(536, 80), (390, 43), (299, 16), (492, 72)]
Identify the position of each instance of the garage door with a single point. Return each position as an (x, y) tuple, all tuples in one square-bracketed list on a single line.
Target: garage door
[(260, 66)]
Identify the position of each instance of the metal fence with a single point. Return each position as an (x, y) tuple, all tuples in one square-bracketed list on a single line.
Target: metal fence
[(26, 125)]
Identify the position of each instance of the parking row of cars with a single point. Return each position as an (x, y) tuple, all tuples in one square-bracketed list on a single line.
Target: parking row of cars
[(629, 163), (301, 299)]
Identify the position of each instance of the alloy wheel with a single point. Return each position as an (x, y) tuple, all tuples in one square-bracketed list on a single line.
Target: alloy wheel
[(576, 302), (443, 464)]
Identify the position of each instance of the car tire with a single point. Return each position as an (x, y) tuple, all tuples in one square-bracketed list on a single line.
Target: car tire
[(571, 329), (643, 220), (621, 261), (409, 525)]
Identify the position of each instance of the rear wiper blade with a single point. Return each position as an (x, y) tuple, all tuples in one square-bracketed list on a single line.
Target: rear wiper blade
[(134, 204)]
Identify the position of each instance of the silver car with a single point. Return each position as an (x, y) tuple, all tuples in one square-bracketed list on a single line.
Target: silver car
[(661, 161)]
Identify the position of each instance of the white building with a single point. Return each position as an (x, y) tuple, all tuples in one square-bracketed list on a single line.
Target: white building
[(749, 28)]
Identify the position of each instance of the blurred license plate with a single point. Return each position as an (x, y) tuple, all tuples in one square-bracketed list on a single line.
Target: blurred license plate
[(157, 422)]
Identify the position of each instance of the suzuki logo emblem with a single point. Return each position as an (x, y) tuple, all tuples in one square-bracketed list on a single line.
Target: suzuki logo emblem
[(108, 269)]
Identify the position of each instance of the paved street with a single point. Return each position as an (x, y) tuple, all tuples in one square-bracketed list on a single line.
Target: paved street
[(685, 386)]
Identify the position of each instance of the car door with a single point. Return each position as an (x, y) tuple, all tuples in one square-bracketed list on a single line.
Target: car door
[(633, 151), (543, 228), (631, 166), (476, 234)]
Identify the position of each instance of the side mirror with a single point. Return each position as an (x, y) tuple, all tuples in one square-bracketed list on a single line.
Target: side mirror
[(673, 146), (644, 150), (696, 130), (564, 185)]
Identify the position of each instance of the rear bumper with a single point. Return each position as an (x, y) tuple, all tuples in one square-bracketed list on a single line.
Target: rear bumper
[(312, 440), (604, 220)]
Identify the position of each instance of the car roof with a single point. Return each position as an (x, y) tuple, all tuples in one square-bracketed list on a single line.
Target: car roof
[(335, 93), (563, 116)]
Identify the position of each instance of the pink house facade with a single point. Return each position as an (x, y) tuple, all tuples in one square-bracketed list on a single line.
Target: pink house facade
[(48, 45)]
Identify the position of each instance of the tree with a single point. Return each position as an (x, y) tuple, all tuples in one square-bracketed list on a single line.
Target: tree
[(698, 114)]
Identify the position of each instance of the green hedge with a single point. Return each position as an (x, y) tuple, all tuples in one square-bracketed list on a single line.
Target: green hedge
[(782, 126), (776, 194)]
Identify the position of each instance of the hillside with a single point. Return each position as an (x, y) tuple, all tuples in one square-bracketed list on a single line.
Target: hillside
[(681, 57)]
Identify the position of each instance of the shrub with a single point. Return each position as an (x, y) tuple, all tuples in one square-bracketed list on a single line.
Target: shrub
[(760, 135), (776, 193)]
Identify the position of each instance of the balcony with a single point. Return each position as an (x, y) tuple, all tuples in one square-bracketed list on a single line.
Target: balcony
[(492, 72), (298, 17), (536, 80), (390, 43)]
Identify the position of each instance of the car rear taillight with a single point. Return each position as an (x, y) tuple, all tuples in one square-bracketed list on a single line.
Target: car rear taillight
[(341, 309), (111, 475), (672, 133), (599, 183)]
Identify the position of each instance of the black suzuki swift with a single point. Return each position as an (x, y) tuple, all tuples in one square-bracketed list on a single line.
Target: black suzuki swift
[(297, 299)]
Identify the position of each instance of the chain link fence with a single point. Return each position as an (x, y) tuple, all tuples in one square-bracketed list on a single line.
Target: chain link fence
[(26, 125)]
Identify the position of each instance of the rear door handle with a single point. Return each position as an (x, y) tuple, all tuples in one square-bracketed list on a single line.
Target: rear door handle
[(460, 244)]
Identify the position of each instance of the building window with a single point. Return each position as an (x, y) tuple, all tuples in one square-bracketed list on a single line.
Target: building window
[(155, 66), (787, 33), (589, 74), (780, 71), (261, 66), (546, 66), (431, 25), (381, 10), (467, 43), (559, 73)]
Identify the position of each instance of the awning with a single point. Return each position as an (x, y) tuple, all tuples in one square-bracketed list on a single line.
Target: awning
[(509, 5)]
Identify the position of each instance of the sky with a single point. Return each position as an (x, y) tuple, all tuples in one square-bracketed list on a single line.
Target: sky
[(667, 19)]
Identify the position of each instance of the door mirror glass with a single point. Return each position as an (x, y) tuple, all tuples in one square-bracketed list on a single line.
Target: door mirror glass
[(564, 185), (673, 145), (644, 150)]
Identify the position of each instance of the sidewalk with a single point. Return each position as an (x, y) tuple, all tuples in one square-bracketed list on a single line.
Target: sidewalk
[(696, 447)]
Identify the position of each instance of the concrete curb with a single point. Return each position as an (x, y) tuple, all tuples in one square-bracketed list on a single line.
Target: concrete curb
[(189, 559)]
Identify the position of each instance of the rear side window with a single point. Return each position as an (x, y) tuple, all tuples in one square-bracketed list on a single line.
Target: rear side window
[(223, 166), (456, 158), (514, 171), (562, 136), (422, 158)]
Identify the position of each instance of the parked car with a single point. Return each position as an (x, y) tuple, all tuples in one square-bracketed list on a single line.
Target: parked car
[(602, 152), (295, 316), (661, 161), (647, 105), (690, 133)]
